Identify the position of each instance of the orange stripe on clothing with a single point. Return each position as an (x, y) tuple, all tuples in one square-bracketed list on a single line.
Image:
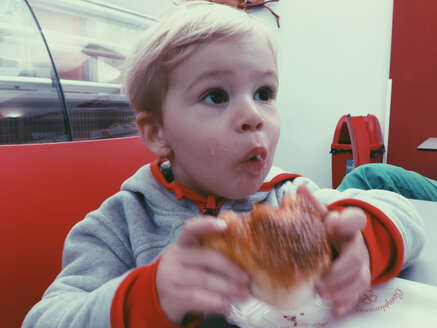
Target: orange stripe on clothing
[(269, 185), (383, 239), (136, 303)]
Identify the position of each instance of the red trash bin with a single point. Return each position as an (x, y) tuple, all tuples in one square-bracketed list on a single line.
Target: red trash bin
[(357, 141)]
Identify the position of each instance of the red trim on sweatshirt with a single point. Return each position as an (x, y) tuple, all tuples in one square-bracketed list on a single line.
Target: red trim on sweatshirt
[(136, 303), (207, 203), (266, 186), (383, 239), (181, 191)]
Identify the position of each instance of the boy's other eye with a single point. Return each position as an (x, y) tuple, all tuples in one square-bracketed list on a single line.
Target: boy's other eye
[(265, 94), (215, 97)]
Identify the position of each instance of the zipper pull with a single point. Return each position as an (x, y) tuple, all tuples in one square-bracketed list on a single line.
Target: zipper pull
[(211, 206)]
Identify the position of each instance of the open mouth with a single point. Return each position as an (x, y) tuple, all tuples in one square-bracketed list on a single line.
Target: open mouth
[(257, 157), (256, 154)]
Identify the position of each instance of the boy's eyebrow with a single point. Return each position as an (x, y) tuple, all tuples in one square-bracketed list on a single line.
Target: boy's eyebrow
[(215, 73)]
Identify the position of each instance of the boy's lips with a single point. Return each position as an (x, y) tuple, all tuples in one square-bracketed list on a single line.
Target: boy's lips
[(255, 159)]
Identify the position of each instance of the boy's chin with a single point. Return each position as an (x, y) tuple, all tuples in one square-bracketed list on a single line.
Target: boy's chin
[(239, 191), (238, 186)]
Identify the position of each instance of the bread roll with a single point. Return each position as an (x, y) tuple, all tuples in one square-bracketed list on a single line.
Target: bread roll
[(284, 250)]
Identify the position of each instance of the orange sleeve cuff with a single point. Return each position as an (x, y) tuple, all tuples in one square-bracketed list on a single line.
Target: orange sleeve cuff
[(136, 303), (383, 239)]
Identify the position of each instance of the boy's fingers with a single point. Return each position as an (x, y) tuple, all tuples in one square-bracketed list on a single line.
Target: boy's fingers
[(195, 228), (349, 267), (214, 282), (201, 300), (303, 191), (188, 299), (214, 261), (345, 295), (347, 223), (349, 275)]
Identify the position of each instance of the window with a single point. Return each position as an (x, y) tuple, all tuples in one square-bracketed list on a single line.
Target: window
[(77, 97), (30, 108)]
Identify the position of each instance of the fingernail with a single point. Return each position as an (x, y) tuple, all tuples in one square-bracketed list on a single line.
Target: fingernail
[(244, 277), (341, 310), (242, 295), (321, 289), (227, 308), (326, 302), (221, 224)]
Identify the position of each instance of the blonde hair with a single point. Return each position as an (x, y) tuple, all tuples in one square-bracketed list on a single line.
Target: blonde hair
[(171, 39)]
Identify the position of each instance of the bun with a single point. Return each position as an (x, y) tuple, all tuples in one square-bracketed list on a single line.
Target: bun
[(284, 250)]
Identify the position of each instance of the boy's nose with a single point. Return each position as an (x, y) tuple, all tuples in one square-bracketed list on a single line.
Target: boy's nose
[(250, 118)]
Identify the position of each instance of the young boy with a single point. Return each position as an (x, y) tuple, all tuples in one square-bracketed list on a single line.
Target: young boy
[(203, 82)]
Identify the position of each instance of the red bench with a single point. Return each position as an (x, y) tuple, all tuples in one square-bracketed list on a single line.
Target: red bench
[(44, 190)]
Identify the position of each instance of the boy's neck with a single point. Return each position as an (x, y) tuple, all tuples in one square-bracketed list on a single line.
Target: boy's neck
[(209, 205)]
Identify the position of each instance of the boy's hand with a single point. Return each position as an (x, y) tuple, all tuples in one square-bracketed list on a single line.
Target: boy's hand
[(196, 279), (349, 275)]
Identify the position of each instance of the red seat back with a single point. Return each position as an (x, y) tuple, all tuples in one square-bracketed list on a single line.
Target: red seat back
[(44, 190)]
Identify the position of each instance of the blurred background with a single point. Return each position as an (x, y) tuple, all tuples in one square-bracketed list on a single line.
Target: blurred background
[(60, 61)]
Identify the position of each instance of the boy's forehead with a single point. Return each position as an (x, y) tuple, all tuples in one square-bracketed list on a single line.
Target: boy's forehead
[(220, 59), (193, 29), (257, 39)]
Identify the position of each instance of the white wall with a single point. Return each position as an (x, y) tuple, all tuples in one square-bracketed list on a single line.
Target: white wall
[(334, 60), (150, 8)]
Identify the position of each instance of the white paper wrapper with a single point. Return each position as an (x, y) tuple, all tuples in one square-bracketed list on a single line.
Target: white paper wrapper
[(397, 303)]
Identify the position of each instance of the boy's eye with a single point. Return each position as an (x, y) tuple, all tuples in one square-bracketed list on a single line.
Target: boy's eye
[(215, 97), (264, 94)]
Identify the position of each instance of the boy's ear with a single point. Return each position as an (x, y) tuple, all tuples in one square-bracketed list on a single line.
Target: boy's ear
[(152, 135)]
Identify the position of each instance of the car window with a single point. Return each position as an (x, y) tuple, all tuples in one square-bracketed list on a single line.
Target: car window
[(30, 103), (70, 89), (89, 43)]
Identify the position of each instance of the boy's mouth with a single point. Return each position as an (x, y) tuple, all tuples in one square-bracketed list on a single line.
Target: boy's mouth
[(255, 159), (258, 153)]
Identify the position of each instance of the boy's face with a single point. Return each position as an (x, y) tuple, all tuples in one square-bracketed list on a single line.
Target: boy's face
[(220, 117)]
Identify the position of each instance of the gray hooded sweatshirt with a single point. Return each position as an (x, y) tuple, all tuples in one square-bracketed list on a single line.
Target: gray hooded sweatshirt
[(134, 226)]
